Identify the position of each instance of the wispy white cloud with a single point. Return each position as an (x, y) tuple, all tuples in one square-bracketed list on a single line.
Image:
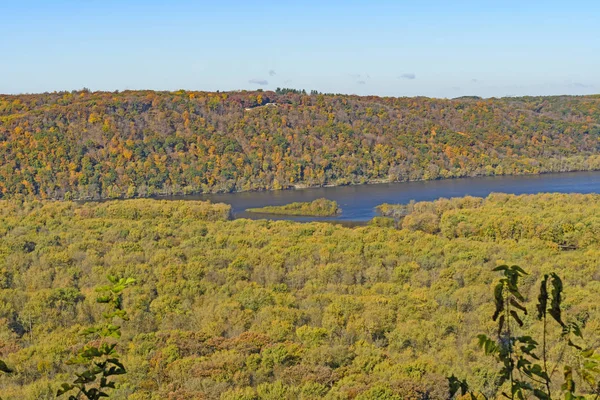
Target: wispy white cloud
[(581, 85), (261, 82), (408, 75)]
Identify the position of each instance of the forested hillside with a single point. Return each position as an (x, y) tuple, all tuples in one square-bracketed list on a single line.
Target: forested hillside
[(83, 145), (244, 309)]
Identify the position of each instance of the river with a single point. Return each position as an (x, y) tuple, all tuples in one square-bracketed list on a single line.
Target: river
[(358, 202)]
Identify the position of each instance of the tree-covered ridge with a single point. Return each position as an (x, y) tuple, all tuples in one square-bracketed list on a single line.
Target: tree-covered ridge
[(230, 309), (318, 208), (138, 143)]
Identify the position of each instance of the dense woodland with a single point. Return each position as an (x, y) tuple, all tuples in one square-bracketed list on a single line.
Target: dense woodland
[(241, 309), (82, 145)]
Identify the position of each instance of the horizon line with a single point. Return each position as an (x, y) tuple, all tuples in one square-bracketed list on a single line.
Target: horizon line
[(308, 93)]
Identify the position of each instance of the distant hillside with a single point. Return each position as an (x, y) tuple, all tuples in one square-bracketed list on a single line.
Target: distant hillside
[(102, 145)]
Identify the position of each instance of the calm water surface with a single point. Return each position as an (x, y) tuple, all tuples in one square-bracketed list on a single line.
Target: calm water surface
[(358, 202)]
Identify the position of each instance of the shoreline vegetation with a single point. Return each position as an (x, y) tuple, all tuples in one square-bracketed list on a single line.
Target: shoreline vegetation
[(135, 144), (316, 208), (162, 195)]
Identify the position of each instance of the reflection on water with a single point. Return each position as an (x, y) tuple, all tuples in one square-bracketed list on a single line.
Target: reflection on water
[(358, 202)]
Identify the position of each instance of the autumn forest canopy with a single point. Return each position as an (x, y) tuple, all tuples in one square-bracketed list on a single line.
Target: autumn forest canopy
[(84, 145), (252, 310), (203, 306)]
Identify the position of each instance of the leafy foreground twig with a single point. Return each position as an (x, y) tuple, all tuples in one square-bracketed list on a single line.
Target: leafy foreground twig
[(101, 361), (524, 369)]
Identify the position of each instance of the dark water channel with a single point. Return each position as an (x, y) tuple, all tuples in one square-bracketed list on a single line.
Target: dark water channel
[(358, 202)]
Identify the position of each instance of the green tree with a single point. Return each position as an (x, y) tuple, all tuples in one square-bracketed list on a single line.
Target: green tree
[(101, 361)]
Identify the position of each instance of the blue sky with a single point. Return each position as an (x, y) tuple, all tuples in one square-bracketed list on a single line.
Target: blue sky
[(394, 48)]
